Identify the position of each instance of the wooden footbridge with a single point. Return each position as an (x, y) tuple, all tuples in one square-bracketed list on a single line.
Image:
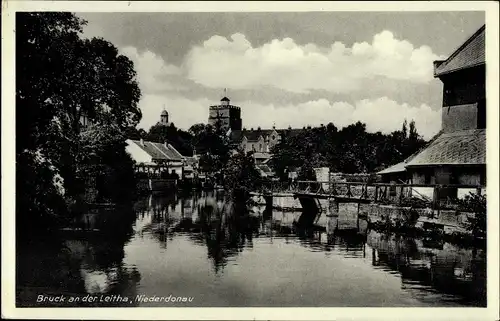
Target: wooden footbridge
[(310, 192)]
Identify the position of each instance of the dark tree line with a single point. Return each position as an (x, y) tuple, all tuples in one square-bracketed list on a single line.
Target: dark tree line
[(349, 150)]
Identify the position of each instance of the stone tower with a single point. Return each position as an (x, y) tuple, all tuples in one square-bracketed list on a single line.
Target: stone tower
[(225, 115)]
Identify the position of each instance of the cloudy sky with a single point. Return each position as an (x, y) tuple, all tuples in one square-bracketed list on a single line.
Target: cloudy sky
[(294, 69)]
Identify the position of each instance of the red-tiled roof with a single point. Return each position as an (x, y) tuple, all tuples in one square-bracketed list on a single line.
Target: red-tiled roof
[(471, 53), (466, 147)]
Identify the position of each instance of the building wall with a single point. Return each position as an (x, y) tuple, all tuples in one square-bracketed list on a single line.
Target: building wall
[(229, 116), (464, 100), (235, 118), (265, 143), (464, 87), (423, 176), (461, 117), (469, 178), (450, 175)]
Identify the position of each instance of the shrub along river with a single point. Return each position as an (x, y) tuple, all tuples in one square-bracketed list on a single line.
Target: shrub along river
[(172, 250)]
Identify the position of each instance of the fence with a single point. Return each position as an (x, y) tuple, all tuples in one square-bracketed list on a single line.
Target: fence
[(444, 196)]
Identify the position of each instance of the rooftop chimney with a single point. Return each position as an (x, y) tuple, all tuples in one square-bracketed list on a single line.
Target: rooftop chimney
[(437, 63), (142, 142)]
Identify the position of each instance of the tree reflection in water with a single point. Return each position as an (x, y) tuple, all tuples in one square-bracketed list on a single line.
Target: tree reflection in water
[(79, 262), (445, 269), (224, 228)]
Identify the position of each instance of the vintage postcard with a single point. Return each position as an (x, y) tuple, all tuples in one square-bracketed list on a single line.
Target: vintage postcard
[(294, 160)]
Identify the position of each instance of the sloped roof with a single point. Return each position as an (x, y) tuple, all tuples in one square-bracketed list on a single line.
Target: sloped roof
[(290, 132), (265, 170), (398, 168), (466, 147), (159, 151), (471, 53), (401, 167), (253, 135), (259, 155)]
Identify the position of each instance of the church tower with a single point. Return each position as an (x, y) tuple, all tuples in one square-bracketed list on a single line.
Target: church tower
[(164, 117)]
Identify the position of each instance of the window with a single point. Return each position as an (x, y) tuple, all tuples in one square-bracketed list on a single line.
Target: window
[(260, 147), (427, 179)]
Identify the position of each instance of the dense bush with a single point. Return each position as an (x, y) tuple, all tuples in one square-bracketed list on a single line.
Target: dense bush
[(476, 204)]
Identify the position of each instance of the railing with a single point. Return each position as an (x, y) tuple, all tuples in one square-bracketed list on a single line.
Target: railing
[(438, 195)]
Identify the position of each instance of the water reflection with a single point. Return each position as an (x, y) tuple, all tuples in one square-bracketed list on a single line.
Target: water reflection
[(201, 246), (79, 262)]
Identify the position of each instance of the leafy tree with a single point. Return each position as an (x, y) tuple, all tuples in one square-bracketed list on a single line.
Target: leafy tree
[(404, 130), (476, 204), (197, 129), (240, 173), (136, 134), (213, 146), (350, 150), (181, 140), (102, 157), (61, 77)]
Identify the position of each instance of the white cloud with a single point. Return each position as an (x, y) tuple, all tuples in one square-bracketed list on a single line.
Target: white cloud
[(283, 64), (382, 114), (153, 72)]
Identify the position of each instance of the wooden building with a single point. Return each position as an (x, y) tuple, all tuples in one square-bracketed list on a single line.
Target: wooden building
[(457, 155)]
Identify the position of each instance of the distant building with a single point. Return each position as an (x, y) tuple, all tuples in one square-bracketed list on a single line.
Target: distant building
[(260, 141), (457, 154), (164, 117), (225, 115)]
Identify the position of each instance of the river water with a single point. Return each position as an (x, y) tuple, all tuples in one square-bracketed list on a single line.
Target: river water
[(194, 251)]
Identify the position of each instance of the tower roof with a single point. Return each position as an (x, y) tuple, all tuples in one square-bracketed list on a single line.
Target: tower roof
[(224, 99), (164, 113), (471, 53)]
